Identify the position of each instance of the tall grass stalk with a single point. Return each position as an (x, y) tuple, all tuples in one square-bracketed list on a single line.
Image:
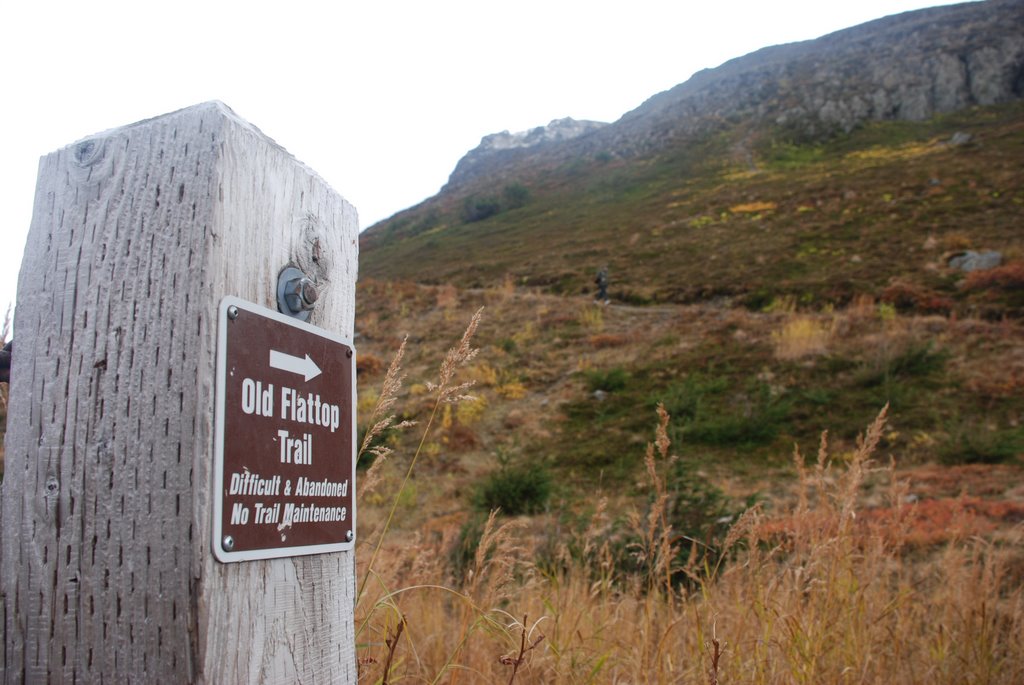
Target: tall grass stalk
[(444, 391)]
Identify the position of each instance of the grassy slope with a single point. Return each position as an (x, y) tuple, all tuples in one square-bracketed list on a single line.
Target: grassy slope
[(739, 215), (573, 386), (790, 233), (743, 387)]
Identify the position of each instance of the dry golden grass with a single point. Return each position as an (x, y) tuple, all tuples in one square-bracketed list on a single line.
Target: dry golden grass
[(606, 340), (447, 296), (752, 207), (591, 318), (799, 337), (820, 590), (508, 287)]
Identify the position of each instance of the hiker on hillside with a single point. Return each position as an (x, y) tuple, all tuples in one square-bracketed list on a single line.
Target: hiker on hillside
[(602, 285)]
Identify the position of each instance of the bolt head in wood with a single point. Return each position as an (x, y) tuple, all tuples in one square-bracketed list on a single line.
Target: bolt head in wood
[(296, 293), (300, 295), (306, 290)]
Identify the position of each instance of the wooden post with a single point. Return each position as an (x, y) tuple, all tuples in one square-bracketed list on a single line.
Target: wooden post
[(107, 573)]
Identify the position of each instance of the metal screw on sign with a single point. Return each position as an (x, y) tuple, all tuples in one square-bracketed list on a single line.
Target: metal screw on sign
[(228, 543), (296, 294), (232, 312), (349, 535)]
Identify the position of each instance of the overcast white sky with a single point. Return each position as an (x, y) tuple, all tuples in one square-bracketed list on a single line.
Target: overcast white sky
[(381, 98)]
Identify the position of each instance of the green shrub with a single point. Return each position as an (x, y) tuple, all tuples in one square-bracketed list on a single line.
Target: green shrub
[(515, 490), (515, 195), (699, 515), (431, 219), (698, 511), (728, 429), (607, 381), (916, 361), (707, 415), (820, 397), (463, 550), (477, 208), (759, 300), (976, 445), (683, 400), (834, 365), (793, 153)]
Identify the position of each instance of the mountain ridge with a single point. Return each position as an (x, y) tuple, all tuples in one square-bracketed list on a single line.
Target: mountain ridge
[(971, 54)]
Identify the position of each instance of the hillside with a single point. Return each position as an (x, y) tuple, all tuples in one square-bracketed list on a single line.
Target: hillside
[(732, 185), (768, 282), (822, 222), (690, 482)]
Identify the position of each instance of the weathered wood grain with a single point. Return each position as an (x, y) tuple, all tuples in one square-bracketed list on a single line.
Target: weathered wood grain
[(106, 572)]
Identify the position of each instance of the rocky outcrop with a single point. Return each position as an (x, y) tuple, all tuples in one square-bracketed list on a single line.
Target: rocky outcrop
[(909, 66), (498, 149), (559, 129)]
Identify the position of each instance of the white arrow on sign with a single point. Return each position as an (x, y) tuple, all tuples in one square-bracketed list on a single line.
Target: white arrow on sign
[(306, 368)]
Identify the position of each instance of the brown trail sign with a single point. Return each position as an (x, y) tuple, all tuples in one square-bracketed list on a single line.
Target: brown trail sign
[(109, 531), (283, 471)]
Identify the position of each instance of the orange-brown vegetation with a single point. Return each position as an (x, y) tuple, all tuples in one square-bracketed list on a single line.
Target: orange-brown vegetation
[(370, 365), (918, 523), (604, 340), (1007, 277), (909, 297)]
